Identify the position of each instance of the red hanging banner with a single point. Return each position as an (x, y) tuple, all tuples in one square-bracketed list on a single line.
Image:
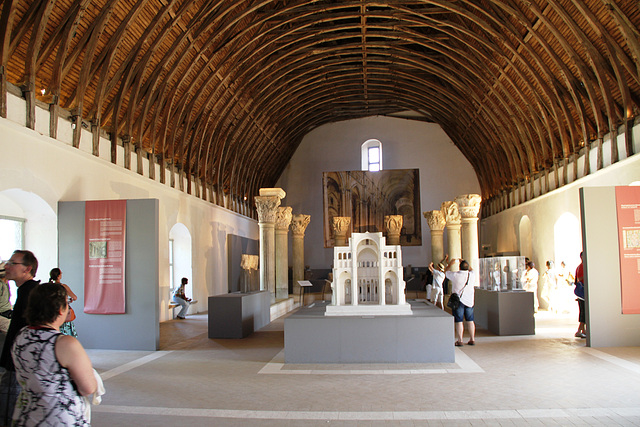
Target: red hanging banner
[(105, 225), (628, 207)]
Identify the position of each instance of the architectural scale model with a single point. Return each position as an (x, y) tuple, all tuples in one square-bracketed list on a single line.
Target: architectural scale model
[(367, 278)]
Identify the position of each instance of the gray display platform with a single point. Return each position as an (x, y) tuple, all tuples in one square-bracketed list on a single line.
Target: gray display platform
[(426, 336), (238, 315), (505, 313)]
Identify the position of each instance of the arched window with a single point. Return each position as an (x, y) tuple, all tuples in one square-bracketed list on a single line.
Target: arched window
[(371, 154)]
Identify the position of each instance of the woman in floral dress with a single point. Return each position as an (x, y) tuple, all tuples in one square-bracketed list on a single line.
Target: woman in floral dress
[(53, 369)]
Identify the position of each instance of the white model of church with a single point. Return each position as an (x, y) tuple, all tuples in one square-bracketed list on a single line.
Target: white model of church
[(367, 278)]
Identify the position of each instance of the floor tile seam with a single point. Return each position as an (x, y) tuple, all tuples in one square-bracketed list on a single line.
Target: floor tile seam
[(626, 364), (497, 414), (465, 364), (133, 364)]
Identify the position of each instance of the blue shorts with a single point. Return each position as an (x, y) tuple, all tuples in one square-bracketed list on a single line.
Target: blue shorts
[(463, 312)]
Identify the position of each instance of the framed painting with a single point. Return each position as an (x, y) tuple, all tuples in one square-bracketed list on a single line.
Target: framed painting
[(367, 197)]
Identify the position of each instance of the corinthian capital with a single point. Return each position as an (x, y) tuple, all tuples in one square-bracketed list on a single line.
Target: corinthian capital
[(299, 224), (267, 208), (283, 218), (450, 212), (340, 225), (469, 205), (435, 219)]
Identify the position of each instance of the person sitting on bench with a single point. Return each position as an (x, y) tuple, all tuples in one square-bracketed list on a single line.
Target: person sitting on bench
[(181, 299)]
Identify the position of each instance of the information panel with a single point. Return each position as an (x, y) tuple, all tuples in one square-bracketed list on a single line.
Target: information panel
[(628, 208), (105, 226)]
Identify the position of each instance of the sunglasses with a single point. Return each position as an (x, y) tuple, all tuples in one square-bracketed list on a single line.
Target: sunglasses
[(14, 263)]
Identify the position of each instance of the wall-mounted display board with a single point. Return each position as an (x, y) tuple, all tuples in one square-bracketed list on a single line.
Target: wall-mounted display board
[(628, 210)]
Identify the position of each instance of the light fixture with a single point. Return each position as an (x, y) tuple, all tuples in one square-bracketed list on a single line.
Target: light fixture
[(43, 91)]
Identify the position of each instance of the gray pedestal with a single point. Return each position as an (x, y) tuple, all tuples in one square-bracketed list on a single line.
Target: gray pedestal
[(424, 337), (238, 315), (505, 313)]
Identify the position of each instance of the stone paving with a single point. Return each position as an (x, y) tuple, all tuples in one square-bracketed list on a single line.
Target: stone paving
[(551, 378)]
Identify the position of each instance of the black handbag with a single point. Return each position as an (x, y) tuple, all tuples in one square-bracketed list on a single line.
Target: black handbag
[(454, 301)]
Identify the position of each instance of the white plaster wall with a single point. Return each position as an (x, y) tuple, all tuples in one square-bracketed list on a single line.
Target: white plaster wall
[(54, 171), (500, 231), (406, 144)]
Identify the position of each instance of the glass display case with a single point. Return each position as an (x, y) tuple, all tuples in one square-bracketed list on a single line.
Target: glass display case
[(502, 273)]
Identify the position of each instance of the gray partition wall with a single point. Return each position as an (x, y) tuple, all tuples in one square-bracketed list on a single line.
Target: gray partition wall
[(238, 246), (606, 325), (139, 327)]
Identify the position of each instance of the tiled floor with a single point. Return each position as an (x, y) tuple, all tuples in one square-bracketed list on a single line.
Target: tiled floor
[(547, 379)]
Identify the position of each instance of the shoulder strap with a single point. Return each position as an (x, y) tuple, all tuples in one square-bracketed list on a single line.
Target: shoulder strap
[(465, 283)]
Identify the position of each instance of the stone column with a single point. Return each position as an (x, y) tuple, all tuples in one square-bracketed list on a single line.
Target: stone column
[(340, 227), (393, 227), (469, 207), (283, 219), (267, 206), (436, 222), (299, 224), (452, 218)]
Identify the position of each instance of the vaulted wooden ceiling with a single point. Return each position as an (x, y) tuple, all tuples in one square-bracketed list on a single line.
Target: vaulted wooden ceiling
[(224, 91)]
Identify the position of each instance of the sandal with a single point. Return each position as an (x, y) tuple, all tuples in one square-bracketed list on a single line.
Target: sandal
[(459, 344), (471, 342)]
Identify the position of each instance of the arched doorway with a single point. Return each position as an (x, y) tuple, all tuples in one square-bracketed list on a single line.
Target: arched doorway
[(180, 257), (525, 246), (28, 222)]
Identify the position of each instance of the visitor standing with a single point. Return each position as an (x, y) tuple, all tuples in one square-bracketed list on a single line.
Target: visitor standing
[(53, 369), (550, 287), (582, 323), (5, 300), (21, 268), (531, 283), (437, 292), (68, 327), (463, 283)]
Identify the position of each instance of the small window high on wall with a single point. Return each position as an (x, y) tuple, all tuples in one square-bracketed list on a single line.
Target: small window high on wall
[(371, 153)]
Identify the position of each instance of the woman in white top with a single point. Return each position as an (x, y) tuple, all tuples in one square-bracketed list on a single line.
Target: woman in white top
[(437, 294)]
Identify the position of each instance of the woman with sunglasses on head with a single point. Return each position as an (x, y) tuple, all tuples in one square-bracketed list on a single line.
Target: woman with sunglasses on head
[(53, 369)]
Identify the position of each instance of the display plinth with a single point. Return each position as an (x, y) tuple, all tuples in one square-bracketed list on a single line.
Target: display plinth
[(425, 336), (238, 315), (505, 313)]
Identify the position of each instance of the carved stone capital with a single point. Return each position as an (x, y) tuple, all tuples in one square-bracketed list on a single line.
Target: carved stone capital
[(435, 220), (249, 262), (393, 226), (393, 223), (283, 218), (299, 224), (469, 205), (340, 225), (450, 211), (267, 208)]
